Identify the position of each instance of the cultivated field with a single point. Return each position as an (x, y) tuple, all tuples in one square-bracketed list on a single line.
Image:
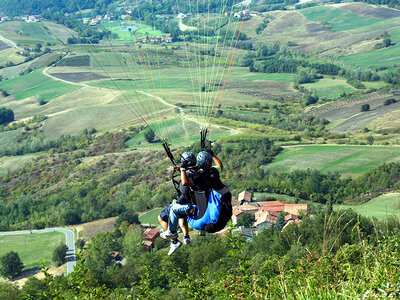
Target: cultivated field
[(32, 248), (347, 160), (350, 31), (347, 116), (381, 207)]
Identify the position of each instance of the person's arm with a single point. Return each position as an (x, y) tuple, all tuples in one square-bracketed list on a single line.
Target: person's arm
[(217, 162), (186, 181)]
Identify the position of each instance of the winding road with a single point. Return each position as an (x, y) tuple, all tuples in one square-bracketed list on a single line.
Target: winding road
[(69, 237)]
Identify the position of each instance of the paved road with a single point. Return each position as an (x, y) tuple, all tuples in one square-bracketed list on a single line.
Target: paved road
[(69, 235)]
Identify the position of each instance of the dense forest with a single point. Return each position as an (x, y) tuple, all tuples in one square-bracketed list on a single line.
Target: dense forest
[(113, 185), (334, 254), (16, 8)]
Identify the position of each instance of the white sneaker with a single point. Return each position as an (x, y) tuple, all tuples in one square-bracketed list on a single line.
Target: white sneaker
[(186, 240), (168, 235), (173, 247)]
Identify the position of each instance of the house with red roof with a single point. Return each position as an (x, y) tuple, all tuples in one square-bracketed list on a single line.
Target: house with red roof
[(150, 234)]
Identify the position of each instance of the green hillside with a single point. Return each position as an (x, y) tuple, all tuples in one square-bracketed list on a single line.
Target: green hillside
[(382, 207), (347, 160)]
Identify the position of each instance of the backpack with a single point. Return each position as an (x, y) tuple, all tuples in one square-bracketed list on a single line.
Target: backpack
[(213, 210)]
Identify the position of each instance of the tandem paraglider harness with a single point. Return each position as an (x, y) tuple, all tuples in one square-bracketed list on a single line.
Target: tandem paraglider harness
[(209, 210)]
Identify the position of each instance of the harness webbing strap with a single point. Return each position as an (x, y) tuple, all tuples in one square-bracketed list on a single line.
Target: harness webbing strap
[(203, 136), (169, 153)]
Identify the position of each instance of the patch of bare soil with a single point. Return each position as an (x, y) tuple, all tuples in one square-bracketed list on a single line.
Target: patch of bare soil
[(78, 76), (315, 27), (383, 13), (21, 280), (270, 95), (350, 112), (89, 230), (4, 46), (363, 9), (357, 8)]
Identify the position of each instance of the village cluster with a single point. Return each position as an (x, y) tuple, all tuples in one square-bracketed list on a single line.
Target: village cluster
[(265, 214), (26, 18)]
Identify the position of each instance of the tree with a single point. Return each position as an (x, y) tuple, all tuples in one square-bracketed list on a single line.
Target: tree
[(370, 140), (6, 115), (365, 107), (33, 287), (9, 291), (246, 220), (60, 254), (99, 251), (387, 42), (11, 265), (149, 135), (132, 243), (80, 244), (280, 222)]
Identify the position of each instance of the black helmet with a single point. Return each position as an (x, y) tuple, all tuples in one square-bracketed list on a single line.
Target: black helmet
[(204, 160), (189, 157)]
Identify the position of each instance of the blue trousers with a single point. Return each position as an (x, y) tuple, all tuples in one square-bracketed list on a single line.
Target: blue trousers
[(177, 211)]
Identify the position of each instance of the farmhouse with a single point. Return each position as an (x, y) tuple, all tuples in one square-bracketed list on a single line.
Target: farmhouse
[(149, 236), (245, 196), (32, 19), (95, 21), (266, 213)]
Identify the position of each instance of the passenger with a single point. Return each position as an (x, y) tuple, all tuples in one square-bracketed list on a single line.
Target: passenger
[(212, 176), (183, 202)]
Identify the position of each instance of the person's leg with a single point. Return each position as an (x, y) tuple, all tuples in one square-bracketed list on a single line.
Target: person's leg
[(183, 224), (163, 217), (164, 225), (177, 211)]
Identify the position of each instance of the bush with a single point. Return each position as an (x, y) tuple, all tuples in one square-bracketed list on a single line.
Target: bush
[(6, 115), (11, 265), (149, 135), (365, 107), (389, 101), (60, 254)]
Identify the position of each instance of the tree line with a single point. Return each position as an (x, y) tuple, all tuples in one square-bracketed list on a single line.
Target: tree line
[(336, 253)]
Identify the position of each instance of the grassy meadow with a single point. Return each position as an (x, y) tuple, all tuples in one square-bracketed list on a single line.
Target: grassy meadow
[(329, 87), (177, 131), (10, 55), (13, 163), (150, 217), (26, 34), (32, 247), (36, 84), (341, 20), (347, 160), (121, 29), (380, 207)]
